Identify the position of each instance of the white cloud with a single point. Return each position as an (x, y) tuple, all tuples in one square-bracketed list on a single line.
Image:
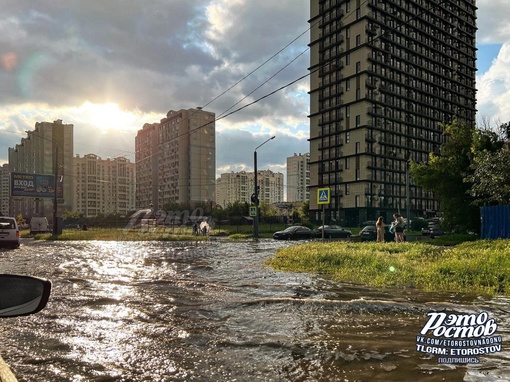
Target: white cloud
[(493, 26), (494, 89)]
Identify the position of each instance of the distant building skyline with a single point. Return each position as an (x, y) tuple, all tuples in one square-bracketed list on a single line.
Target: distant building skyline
[(94, 185), (239, 186), (298, 177)]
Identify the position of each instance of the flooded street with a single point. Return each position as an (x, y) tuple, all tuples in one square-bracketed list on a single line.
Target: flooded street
[(161, 311)]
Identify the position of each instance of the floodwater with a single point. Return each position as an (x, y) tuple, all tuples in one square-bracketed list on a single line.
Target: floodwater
[(155, 311)]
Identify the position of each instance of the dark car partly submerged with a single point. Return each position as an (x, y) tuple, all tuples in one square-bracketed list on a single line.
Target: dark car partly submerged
[(369, 233), (295, 233), (333, 231)]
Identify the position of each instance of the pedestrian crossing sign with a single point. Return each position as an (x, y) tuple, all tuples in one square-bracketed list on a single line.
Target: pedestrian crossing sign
[(323, 196), (253, 211)]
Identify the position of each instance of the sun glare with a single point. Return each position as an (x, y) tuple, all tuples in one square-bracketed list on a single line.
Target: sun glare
[(107, 116)]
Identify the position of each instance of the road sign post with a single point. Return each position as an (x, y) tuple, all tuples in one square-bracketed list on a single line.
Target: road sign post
[(323, 197)]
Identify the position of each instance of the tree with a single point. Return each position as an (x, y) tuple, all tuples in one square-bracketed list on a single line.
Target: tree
[(267, 210), (238, 209), (491, 178), (304, 211), (445, 175), (20, 220), (491, 167)]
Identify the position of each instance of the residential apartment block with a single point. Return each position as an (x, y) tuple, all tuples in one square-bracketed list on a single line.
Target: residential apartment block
[(103, 185), (176, 159), (239, 186), (385, 76), (49, 144), (4, 190), (298, 178)]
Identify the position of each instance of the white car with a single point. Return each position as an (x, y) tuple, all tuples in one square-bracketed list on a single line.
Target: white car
[(9, 232)]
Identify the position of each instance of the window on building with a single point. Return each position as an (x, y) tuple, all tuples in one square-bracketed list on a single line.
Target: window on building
[(347, 189), (347, 137), (358, 66), (358, 201), (358, 40), (358, 120)]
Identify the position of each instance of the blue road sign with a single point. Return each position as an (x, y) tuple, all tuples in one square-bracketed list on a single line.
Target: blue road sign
[(323, 195)]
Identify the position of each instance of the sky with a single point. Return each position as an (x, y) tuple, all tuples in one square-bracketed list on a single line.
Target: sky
[(109, 66)]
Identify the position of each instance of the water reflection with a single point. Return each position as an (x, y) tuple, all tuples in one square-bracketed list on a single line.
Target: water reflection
[(213, 312)]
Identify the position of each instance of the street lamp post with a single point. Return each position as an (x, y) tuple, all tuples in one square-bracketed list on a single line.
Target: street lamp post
[(255, 196)]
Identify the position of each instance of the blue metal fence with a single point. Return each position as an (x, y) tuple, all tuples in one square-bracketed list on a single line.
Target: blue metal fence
[(495, 222)]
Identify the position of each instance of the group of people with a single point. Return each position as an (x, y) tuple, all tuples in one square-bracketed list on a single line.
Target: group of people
[(397, 227), (201, 228)]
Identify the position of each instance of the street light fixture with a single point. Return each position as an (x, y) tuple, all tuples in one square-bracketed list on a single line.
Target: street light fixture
[(255, 196)]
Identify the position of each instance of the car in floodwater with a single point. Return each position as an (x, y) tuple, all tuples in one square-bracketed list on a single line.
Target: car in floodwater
[(369, 233), (9, 232), (297, 232), (333, 232)]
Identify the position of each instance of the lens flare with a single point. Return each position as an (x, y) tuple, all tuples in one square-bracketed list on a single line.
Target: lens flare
[(9, 61)]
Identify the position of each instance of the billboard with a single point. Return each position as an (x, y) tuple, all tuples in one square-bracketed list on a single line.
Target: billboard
[(34, 185)]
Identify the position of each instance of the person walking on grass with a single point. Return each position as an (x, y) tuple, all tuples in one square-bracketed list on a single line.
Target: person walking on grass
[(380, 229)]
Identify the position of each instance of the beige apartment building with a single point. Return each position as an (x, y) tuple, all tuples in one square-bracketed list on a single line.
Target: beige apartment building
[(239, 186), (298, 178), (176, 159), (4, 190), (49, 144), (385, 76), (104, 186)]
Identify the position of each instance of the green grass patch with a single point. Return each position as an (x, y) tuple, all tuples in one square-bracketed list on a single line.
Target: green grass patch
[(120, 235), (480, 267)]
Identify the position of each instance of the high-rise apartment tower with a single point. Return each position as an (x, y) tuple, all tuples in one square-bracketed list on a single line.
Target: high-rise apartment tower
[(176, 159), (385, 77), (50, 144)]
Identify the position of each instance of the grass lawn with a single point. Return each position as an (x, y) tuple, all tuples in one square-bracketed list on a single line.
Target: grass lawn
[(480, 267)]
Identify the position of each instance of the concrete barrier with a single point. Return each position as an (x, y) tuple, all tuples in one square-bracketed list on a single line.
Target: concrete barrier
[(6, 373)]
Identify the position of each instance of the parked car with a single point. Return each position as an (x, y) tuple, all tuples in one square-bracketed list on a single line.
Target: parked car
[(333, 231), (39, 224), (432, 230), (295, 233), (369, 233), (9, 232)]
